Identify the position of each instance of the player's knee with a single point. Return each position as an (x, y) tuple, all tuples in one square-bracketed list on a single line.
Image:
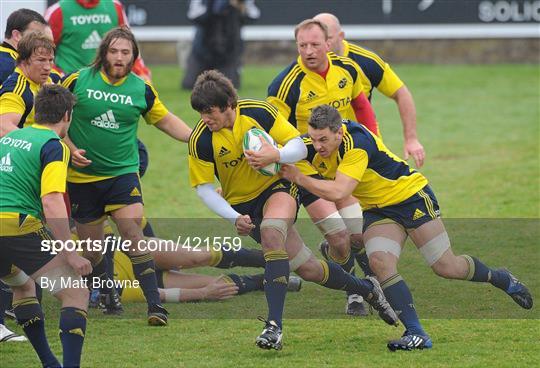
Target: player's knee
[(353, 217), (383, 254), (74, 296), (339, 242), (24, 289), (331, 225), (311, 270), (357, 241), (273, 233), (447, 267)]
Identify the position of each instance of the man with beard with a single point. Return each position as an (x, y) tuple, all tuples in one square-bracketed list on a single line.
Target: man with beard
[(103, 178)]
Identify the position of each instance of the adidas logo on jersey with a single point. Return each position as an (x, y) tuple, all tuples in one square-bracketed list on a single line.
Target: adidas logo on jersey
[(5, 163), (418, 214), (311, 95), (342, 83), (135, 192), (92, 41), (105, 120), (223, 151), (322, 165)]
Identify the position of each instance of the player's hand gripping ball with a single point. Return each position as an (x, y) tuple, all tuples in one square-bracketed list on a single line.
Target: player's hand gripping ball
[(252, 142)]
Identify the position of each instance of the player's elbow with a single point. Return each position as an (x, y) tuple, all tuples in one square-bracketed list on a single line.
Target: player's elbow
[(53, 204)]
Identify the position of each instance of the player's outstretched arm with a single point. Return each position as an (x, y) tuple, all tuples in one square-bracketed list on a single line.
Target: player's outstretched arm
[(174, 127), (222, 208), (407, 112), (331, 190)]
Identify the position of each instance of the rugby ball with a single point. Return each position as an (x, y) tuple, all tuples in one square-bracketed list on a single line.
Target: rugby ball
[(252, 142)]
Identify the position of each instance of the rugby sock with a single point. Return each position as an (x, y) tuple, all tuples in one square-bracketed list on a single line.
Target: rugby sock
[(347, 264), (99, 270), (39, 292), (399, 296), (362, 259), (5, 300), (334, 277), (276, 279), (147, 228), (144, 269), (72, 331), (109, 255), (237, 258), (247, 283), (479, 272), (30, 317)]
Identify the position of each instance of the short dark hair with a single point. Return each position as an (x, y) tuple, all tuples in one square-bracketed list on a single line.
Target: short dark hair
[(51, 104), (113, 34), (20, 19), (325, 116), (213, 89), (31, 42), (308, 23)]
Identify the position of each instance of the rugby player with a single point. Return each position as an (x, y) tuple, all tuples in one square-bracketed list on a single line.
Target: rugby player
[(317, 77), (398, 203), (103, 177), (34, 63), (176, 286), (376, 73), (263, 207), (33, 169)]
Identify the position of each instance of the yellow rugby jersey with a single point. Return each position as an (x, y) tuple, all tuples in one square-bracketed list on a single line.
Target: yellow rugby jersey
[(374, 71), (123, 271), (383, 178), (220, 154), (297, 90), (17, 96)]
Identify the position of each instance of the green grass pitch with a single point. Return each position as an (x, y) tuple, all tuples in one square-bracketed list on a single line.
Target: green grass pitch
[(480, 128)]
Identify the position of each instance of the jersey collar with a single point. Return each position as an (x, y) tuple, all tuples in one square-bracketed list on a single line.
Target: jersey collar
[(310, 72), (8, 46), (345, 48), (106, 79), (39, 126), (32, 83)]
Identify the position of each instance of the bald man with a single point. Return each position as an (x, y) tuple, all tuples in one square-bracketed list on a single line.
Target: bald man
[(378, 74)]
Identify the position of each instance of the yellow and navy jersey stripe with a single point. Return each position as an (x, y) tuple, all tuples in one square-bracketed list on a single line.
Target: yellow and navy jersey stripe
[(8, 57), (70, 80), (20, 91), (297, 90), (286, 88), (383, 178), (376, 72), (55, 76), (344, 63), (55, 158)]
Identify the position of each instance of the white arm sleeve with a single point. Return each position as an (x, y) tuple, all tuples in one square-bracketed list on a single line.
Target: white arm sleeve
[(216, 203), (293, 151)]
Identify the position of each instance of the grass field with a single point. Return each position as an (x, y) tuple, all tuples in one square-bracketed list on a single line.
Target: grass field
[(480, 127)]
